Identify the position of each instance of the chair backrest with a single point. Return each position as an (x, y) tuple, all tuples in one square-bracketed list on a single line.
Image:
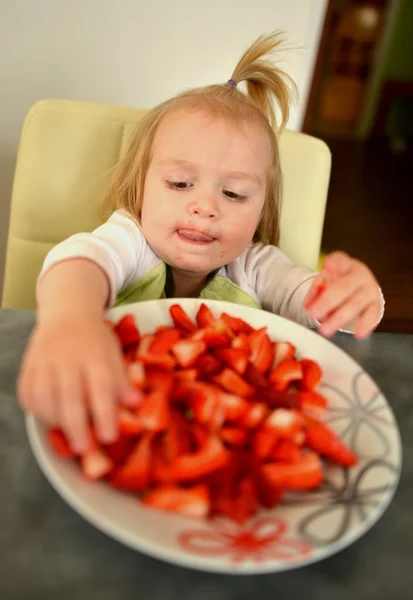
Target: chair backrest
[(63, 167)]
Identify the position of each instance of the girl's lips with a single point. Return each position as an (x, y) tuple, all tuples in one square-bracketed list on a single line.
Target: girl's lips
[(194, 237)]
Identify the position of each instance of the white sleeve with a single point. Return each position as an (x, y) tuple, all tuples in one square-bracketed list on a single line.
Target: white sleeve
[(280, 286), (117, 246)]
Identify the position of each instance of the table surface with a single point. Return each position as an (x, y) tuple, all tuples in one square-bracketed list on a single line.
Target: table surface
[(48, 551)]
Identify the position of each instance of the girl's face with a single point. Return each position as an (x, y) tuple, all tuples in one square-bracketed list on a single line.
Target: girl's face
[(204, 190)]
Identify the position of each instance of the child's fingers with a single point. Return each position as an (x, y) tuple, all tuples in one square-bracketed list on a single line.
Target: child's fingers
[(335, 294), (71, 408), (126, 393), (102, 396), (45, 395), (366, 322), (317, 288), (338, 263), (345, 314)]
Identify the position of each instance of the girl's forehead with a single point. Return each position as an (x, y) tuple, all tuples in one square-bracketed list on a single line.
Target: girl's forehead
[(192, 132)]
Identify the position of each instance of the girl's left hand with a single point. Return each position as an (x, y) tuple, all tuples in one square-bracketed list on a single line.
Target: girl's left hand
[(345, 292)]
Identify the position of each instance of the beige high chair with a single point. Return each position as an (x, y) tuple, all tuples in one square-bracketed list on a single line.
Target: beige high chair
[(66, 152)]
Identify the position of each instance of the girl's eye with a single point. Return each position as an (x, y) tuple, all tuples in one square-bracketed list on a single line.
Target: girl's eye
[(234, 196), (179, 185)]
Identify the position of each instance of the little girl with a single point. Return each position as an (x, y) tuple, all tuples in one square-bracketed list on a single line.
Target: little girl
[(197, 214)]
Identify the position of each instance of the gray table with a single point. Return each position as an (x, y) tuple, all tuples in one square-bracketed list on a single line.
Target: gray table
[(48, 551)]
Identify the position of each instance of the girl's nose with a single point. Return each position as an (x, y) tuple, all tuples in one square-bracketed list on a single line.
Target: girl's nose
[(207, 209)]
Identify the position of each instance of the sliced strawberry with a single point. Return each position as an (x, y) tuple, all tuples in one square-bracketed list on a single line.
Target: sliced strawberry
[(262, 352), (136, 374), (254, 416), (322, 440), (214, 338), (199, 435), (312, 375), (233, 436), (234, 358), (181, 319), (186, 375), (208, 459), (120, 450), (177, 439), (204, 317), (127, 331), (283, 351), (206, 404), (207, 365), (153, 413), (230, 381), (254, 377), (165, 361), (95, 463), (245, 501), (304, 474), (286, 372), (134, 475), (268, 495), (234, 406), (159, 379), (144, 345), (59, 443), (285, 423), (241, 343), (236, 325), (263, 442), (129, 423), (286, 451), (164, 340), (188, 351), (313, 404), (193, 501)]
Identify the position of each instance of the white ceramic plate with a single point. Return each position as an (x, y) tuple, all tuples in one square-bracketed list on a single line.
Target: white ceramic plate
[(306, 527)]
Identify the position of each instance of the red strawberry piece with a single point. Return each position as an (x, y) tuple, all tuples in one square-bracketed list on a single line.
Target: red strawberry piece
[(304, 474), (236, 325), (283, 351), (241, 343), (192, 501), (127, 331), (286, 423), (312, 375), (129, 423), (255, 378), (207, 365), (208, 409), (153, 413), (134, 475), (234, 406), (236, 359), (120, 450), (181, 319), (59, 443), (177, 439), (230, 381), (286, 451), (136, 374), (254, 416), (186, 375), (213, 338), (233, 436), (312, 404), (204, 317), (209, 458), (188, 351), (95, 463), (326, 443), (288, 371), (268, 494), (199, 435), (262, 352), (144, 345), (164, 340), (263, 442)]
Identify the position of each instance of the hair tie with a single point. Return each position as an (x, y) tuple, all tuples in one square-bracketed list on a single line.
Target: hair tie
[(232, 83)]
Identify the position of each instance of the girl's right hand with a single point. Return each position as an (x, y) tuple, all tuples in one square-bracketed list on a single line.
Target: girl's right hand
[(72, 371)]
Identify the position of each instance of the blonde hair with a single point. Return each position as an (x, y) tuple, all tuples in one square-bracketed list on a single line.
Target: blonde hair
[(265, 83)]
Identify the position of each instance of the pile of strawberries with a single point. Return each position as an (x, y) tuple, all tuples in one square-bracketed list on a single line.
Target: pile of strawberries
[(230, 420)]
